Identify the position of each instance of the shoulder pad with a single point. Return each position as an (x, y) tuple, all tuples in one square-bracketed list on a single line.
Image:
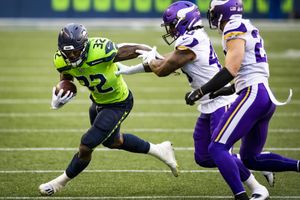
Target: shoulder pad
[(60, 63), (234, 28), (185, 42), (101, 50)]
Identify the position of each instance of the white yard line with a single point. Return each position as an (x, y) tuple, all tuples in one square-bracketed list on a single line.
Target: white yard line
[(142, 197), (170, 102), (106, 171), (142, 130), (134, 114), (107, 149)]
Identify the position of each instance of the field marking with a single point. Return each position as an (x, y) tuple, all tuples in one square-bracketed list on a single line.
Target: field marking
[(116, 150), (165, 89), (144, 197), (147, 130), (107, 171), (88, 102), (134, 114), (27, 79)]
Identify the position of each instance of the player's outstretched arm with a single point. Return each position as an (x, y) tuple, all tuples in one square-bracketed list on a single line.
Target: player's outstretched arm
[(127, 51), (124, 69)]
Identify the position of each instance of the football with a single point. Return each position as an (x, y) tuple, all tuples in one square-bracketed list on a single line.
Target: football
[(66, 85)]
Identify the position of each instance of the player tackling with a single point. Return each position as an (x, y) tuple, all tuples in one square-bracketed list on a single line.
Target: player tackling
[(195, 56), (248, 117), (92, 62)]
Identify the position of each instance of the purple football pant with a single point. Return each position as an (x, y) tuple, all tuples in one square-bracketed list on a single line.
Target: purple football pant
[(247, 119), (204, 128)]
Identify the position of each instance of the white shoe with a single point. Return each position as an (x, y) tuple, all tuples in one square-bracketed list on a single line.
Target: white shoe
[(270, 176), (54, 185), (165, 152), (49, 188), (260, 193)]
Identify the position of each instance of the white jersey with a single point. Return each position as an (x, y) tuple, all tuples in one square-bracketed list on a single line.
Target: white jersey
[(202, 68), (254, 68)]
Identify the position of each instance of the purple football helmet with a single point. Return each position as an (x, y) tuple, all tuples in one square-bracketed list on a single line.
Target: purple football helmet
[(223, 10), (178, 18)]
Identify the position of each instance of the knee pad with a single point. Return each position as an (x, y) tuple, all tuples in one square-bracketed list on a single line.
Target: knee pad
[(204, 160), (93, 137)]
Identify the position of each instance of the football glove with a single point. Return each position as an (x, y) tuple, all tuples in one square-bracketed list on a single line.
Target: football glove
[(193, 96), (59, 100), (147, 56)]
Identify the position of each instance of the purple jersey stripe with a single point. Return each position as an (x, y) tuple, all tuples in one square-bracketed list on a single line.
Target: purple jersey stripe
[(242, 28), (233, 114)]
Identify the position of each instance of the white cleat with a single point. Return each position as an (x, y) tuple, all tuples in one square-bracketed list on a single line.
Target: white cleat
[(260, 193), (167, 155), (270, 177), (54, 185), (49, 188)]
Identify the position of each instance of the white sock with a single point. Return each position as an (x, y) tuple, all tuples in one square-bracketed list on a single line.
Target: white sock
[(252, 183), (62, 179), (153, 150)]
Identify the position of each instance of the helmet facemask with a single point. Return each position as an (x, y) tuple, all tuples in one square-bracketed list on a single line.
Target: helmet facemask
[(171, 32), (73, 56)]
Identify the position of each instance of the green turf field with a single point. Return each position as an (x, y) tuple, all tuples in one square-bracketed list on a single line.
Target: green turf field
[(37, 143)]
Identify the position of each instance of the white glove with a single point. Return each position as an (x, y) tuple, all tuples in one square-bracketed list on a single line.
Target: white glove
[(147, 56), (124, 69), (58, 100)]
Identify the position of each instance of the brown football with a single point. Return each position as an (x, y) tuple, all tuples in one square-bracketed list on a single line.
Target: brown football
[(66, 85)]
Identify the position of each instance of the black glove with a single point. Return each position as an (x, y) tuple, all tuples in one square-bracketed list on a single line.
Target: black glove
[(224, 91), (193, 96)]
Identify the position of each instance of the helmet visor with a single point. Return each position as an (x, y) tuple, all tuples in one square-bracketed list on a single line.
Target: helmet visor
[(72, 55)]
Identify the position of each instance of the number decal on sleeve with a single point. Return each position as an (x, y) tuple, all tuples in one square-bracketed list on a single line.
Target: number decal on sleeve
[(213, 59), (260, 53), (98, 87), (99, 43)]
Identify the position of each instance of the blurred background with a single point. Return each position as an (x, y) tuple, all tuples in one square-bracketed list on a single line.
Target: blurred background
[(133, 8)]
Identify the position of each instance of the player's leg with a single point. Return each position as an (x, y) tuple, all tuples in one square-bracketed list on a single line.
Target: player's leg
[(246, 176), (202, 138), (129, 142), (252, 145), (236, 123), (58, 183), (106, 122)]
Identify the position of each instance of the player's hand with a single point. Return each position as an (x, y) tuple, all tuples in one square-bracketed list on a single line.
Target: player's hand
[(193, 96), (123, 69), (59, 100), (147, 56)]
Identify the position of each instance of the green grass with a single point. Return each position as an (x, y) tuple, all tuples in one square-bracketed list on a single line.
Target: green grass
[(26, 121)]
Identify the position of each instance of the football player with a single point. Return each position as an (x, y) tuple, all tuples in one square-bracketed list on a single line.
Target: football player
[(92, 62), (195, 56), (249, 115)]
